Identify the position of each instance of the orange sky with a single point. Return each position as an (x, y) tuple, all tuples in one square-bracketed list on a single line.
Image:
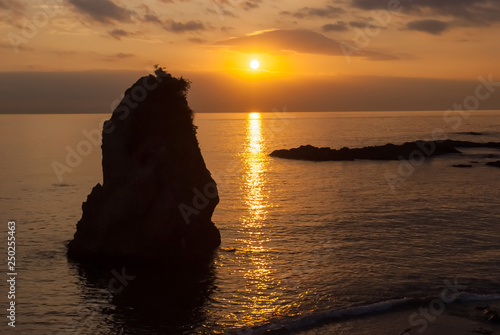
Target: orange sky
[(318, 43)]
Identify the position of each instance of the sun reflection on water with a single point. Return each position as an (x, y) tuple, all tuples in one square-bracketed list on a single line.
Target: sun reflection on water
[(255, 162), (256, 260)]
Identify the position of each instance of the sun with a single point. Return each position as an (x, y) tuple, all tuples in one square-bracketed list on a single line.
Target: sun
[(254, 116), (254, 64)]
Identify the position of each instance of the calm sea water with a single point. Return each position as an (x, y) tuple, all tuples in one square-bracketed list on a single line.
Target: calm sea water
[(298, 238)]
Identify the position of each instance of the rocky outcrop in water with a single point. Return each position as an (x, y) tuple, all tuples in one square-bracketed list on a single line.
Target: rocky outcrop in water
[(472, 133), (157, 197), (382, 152), (495, 164)]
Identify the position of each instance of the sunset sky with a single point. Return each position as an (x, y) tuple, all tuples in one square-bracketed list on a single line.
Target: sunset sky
[(314, 55)]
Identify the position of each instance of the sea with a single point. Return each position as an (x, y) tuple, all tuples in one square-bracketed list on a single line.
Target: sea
[(307, 247)]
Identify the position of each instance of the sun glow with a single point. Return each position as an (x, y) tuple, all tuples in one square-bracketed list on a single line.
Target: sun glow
[(254, 64), (254, 116)]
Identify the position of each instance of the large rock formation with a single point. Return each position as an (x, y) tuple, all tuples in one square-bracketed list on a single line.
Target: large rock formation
[(157, 197)]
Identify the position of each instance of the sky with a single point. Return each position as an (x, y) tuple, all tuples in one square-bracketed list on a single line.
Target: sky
[(78, 56)]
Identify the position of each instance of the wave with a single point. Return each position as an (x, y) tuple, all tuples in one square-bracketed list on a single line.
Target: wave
[(473, 297), (319, 318)]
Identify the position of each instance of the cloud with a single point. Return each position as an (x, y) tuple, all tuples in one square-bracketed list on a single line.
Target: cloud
[(149, 15), (361, 24), (172, 1), (226, 12), (339, 26), (14, 5), (434, 27), (370, 4), (220, 5), (249, 5), (152, 18), (12, 12), (122, 55), (478, 12), (197, 40), (297, 40), (223, 3), (119, 33), (103, 11), (182, 27), (116, 57), (311, 12), (93, 54), (219, 10)]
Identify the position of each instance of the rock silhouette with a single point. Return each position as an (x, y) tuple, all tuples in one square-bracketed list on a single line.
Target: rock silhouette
[(472, 133), (157, 197), (382, 152), (495, 164), (462, 165)]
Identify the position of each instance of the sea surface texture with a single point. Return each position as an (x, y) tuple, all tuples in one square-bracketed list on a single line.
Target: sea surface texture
[(303, 242)]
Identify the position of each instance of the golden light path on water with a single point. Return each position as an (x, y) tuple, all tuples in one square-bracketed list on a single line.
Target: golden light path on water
[(262, 284)]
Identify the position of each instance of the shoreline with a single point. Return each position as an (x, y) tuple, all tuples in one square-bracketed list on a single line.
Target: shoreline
[(466, 314), (458, 318)]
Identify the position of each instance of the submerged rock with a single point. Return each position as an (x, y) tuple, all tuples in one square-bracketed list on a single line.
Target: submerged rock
[(472, 133), (382, 152), (496, 164), (157, 197)]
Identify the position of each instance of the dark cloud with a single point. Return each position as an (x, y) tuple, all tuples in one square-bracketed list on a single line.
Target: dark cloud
[(434, 27), (479, 12), (298, 40), (371, 4), (149, 15), (104, 11), (182, 27), (249, 5), (119, 33), (152, 18), (339, 26), (311, 12), (361, 24)]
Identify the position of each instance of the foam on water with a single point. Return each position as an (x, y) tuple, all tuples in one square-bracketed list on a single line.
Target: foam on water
[(320, 318)]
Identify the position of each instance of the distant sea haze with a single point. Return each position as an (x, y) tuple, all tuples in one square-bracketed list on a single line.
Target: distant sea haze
[(235, 94), (303, 243)]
